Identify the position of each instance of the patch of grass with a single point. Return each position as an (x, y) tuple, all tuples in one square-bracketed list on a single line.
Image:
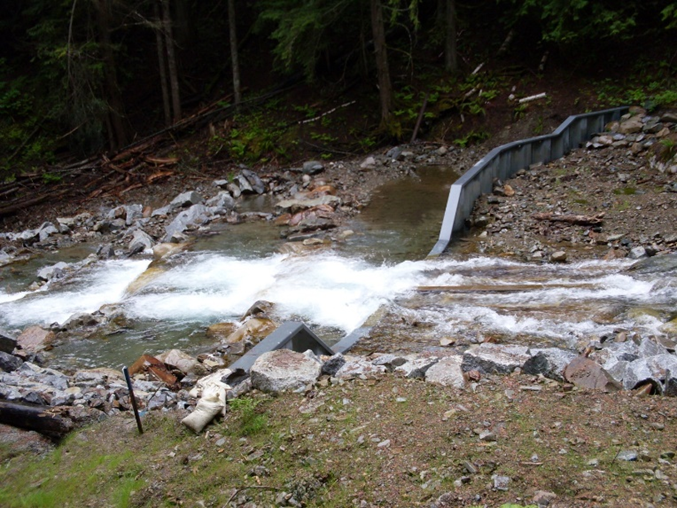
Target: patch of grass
[(251, 422)]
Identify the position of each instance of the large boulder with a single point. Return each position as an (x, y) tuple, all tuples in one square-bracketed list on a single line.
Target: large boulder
[(490, 358), (254, 181), (7, 342), (284, 369), (185, 200), (550, 362), (35, 339), (359, 367), (447, 372), (416, 367), (588, 374), (8, 362), (221, 204), (194, 216), (253, 330), (140, 242)]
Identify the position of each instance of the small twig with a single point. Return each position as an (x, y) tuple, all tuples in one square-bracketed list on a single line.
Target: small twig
[(314, 119)]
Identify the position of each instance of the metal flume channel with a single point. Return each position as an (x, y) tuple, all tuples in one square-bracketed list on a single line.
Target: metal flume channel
[(504, 161)]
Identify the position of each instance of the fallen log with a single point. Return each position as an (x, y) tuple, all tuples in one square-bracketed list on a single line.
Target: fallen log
[(37, 418), (581, 220)]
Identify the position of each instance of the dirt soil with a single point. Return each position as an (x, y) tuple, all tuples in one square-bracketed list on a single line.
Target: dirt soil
[(367, 443)]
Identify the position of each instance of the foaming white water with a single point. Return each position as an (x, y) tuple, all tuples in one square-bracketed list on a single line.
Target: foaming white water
[(94, 287), (334, 291), (324, 289)]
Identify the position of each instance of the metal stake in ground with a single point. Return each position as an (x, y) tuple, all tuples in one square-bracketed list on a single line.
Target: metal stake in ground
[(125, 370)]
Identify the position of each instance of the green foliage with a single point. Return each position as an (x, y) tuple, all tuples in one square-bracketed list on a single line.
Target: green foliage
[(251, 422), (572, 21), (302, 31), (471, 138), (669, 15), (649, 84)]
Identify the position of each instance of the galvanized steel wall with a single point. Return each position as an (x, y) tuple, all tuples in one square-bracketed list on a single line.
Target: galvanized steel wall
[(504, 161)]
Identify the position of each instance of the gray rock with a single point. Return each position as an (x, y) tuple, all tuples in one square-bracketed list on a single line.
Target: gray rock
[(389, 361), (362, 368), (284, 369), (495, 358), (54, 272), (134, 212), (243, 184), (624, 351), (295, 205), (254, 181), (543, 498), (368, 163), (669, 116), (638, 252), (550, 362), (221, 204), (312, 167), (649, 347), (501, 482), (415, 368), (394, 153), (196, 215), (447, 372), (333, 364), (46, 230), (656, 264), (162, 212), (82, 320), (670, 386), (105, 251), (184, 200), (234, 190), (7, 342), (29, 236), (8, 362), (627, 455), (140, 242), (559, 257)]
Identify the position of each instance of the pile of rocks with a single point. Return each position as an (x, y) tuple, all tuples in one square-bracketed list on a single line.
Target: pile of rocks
[(312, 200)]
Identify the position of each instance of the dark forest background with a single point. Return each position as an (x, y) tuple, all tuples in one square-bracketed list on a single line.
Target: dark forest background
[(264, 80)]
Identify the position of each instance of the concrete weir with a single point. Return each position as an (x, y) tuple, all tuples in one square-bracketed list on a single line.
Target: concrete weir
[(504, 161)]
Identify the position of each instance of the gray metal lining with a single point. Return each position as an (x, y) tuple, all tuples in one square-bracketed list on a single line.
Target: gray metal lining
[(289, 335), (504, 161)]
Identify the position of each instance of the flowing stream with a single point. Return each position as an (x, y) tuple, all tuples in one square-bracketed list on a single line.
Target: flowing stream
[(378, 271)]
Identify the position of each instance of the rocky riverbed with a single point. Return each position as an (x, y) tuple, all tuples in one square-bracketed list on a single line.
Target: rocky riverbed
[(614, 198)]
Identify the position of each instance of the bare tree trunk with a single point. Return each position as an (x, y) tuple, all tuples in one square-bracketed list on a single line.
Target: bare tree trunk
[(162, 63), (171, 62), (450, 53), (117, 133), (235, 62), (382, 70)]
